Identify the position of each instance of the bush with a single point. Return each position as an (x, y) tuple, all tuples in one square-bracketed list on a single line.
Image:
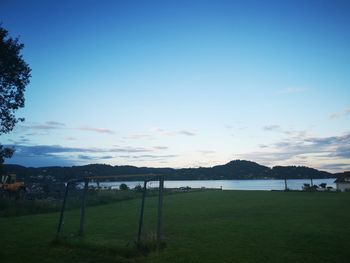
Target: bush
[(138, 188), (123, 187)]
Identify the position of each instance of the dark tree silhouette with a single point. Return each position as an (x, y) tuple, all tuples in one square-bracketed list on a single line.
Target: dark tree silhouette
[(14, 77)]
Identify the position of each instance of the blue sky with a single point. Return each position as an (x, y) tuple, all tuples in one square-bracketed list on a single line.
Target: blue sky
[(183, 83)]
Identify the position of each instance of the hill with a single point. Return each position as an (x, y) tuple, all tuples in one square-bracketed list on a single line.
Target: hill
[(237, 169)]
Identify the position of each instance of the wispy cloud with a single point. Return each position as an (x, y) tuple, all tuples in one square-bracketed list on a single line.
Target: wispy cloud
[(94, 158), (21, 140), (42, 150), (164, 132), (263, 146), (42, 126), (160, 147), (55, 123), (188, 133), (93, 129), (271, 127), (130, 149), (152, 156), (340, 114), (139, 136)]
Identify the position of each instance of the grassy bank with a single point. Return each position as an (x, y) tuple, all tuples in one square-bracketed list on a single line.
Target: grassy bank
[(208, 226)]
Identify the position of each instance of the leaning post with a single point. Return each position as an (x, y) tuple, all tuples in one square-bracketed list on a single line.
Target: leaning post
[(83, 205), (141, 213), (60, 222)]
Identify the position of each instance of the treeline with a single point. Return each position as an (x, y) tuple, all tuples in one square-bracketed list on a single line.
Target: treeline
[(237, 169)]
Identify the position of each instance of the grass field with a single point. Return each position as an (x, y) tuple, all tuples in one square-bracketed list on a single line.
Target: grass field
[(207, 226)]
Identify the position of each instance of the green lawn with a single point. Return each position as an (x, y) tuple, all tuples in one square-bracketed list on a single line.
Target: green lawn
[(208, 226)]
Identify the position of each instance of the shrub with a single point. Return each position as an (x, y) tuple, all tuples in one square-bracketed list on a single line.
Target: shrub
[(138, 188), (123, 187)]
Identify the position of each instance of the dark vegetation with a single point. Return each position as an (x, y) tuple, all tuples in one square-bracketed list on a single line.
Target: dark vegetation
[(238, 169)]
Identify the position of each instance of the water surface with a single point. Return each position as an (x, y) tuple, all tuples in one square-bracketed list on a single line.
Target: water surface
[(266, 185)]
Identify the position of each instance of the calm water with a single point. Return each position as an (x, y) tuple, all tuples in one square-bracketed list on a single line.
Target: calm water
[(294, 184)]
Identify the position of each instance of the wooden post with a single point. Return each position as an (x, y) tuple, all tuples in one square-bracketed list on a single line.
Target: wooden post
[(83, 204), (160, 207), (141, 214), (60, 222)]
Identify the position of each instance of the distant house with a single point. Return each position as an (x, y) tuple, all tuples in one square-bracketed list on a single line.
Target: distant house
[(343, 182)]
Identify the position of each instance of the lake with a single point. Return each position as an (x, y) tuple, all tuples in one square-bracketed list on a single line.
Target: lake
[(265, 185)]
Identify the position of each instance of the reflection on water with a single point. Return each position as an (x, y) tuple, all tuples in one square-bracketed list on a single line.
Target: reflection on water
[(266, 185)]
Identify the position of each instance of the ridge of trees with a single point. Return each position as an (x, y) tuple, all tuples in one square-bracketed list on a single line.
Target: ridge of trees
[(237, 169)]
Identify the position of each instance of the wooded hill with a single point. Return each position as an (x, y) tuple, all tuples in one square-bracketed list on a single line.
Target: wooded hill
[(237, 169)]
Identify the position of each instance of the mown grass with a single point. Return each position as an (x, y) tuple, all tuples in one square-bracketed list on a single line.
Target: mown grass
[(207, 226)]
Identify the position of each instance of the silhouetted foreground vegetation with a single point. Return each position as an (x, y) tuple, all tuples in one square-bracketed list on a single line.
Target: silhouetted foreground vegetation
[(203, 226), (238, 169)]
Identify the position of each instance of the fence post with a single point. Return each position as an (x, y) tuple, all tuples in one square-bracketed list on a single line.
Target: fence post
[(83, 204), (160, 207), (60, 222), (141, 214)]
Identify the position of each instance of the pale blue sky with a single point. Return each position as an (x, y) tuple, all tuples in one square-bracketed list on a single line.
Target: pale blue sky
[(183, 83)]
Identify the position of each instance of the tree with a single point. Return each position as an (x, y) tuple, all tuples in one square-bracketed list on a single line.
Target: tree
[(5, 153), (14, 77)]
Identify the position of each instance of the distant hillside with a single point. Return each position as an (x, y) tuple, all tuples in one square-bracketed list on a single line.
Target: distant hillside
[(281, 172), (237, 169), (344, 174)]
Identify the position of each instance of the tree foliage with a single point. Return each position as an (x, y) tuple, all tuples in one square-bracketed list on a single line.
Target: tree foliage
[(14, 77)]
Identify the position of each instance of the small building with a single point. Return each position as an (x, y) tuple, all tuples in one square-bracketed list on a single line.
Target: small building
[(343, 182)]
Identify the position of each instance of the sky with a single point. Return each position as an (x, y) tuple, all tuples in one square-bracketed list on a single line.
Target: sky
[(183, 83)]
